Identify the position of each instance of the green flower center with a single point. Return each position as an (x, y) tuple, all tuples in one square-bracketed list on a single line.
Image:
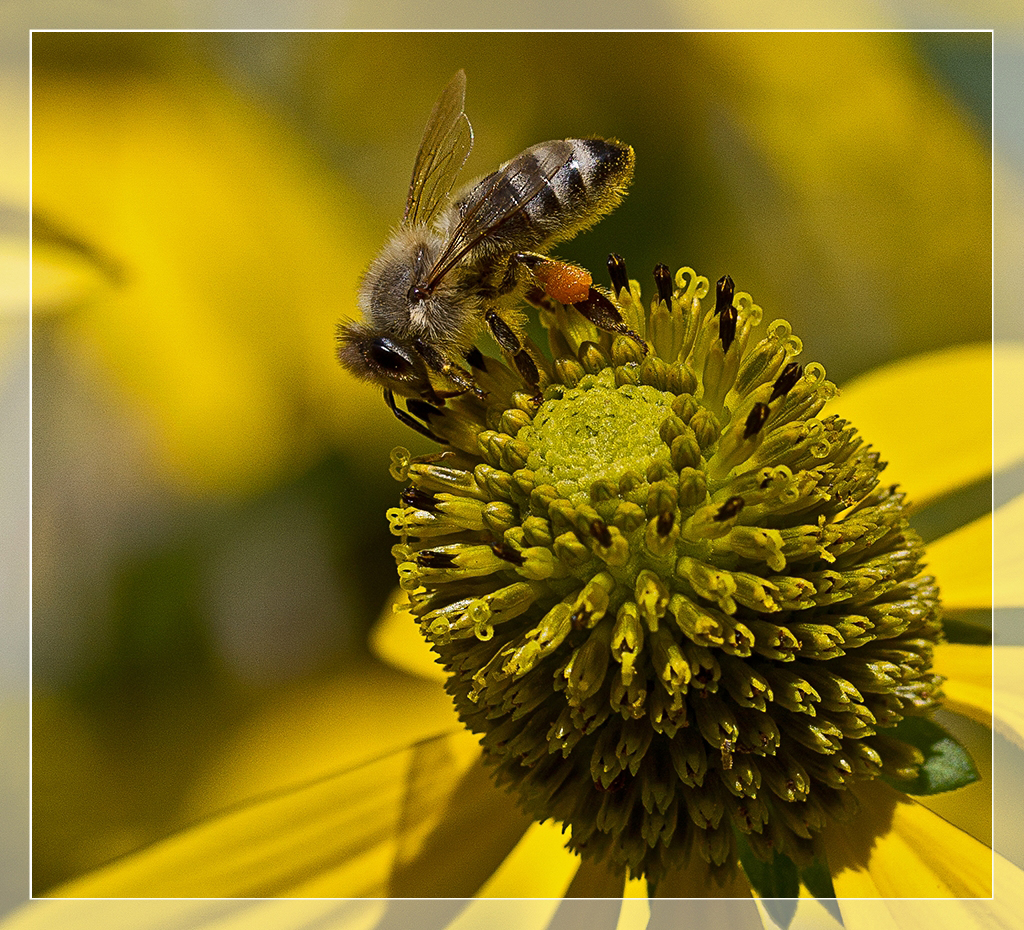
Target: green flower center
[(596, 432), (677, 604)]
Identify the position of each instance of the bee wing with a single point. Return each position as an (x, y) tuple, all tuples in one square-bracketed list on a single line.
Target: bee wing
[(498, 198), (445, 145)]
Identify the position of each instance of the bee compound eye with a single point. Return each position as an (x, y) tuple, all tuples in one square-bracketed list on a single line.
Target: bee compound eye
[(388, 358)]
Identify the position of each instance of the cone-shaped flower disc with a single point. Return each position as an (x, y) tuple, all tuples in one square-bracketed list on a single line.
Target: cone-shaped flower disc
[(682, 609)]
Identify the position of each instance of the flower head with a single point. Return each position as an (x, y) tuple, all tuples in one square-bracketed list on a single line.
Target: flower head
[(680, 607)]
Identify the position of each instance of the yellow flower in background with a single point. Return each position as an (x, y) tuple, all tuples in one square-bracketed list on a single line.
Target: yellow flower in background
[(213, 436)]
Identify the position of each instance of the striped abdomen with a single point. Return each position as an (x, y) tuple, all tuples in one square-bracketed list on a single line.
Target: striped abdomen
[(544, 195)]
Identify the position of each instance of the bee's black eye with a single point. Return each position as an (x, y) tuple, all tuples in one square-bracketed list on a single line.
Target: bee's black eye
[(388, 358)]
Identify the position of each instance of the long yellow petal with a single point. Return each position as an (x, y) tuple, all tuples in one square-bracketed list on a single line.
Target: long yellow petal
[(540, 866), (336, 837), (196, 915), (1008, 695), (962, 562), (915, 853), (949, 389), (1001, 913), (1008, 534), (396, 639), (970, 689), (968, 673), (327, 726)]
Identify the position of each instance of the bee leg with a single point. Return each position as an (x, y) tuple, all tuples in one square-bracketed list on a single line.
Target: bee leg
[(572, 285), (439, 362), (560, 280), (509, 342), (605, 315), (408, 419)]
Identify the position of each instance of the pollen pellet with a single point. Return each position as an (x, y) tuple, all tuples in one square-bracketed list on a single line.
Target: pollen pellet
[(568, 284), (672, 596)]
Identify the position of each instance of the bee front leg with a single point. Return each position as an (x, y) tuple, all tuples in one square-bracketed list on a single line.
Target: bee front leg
[(509, 343), (439, 362), (408, 419)]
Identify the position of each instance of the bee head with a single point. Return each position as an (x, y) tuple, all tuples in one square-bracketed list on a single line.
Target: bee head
[(382, 359)]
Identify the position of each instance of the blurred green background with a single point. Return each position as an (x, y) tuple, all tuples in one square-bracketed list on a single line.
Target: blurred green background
[(209, 486)]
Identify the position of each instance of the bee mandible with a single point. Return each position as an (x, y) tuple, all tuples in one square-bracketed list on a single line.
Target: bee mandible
[(454, 263)]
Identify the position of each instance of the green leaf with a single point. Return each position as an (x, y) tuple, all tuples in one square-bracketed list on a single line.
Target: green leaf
[(947, 765)]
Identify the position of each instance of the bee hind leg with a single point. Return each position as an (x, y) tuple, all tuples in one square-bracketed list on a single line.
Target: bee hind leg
[(561, 281), (509, 343), (408, 419), (571, 285)]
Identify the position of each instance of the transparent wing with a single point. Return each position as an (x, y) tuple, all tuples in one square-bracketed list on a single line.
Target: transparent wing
[(446, 142), (498, 198)]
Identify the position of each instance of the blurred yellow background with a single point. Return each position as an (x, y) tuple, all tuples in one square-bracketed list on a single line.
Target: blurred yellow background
[(209, 486)]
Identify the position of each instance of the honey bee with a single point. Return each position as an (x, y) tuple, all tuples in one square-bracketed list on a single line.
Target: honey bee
[(454, 263)]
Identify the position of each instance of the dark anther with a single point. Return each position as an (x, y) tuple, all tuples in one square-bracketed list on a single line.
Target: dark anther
[(617, 272), (785, 382), (729, 509), (665, 522), (663, 279), (767, 481), (420, 500), (579, 617), (724, 291), (431, 558), (756, 419), (476, 359), (605, 315), (599, 530), (503, 551), (727, 326)]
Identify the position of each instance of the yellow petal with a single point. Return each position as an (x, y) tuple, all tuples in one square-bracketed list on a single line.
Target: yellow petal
[(327, 726), (540, 866), (197, 915), (741, 914), (947, 396), (462, 846), (914, 853), (968, 673), (1001, 913), (635, 913), (336, 837), (962, 563), (396, 639), (978, 565), (1008, 695), (970, 690), (1008, 534)]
